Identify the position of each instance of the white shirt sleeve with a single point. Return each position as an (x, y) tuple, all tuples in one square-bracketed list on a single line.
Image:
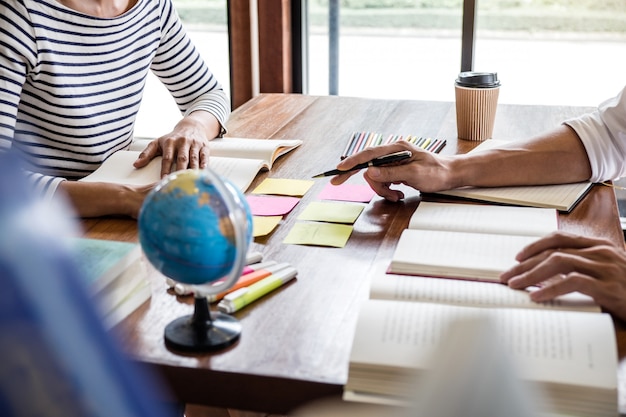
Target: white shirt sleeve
[(603, 134)]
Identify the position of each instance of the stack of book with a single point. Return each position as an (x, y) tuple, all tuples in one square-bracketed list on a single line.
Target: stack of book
[(115, 275)]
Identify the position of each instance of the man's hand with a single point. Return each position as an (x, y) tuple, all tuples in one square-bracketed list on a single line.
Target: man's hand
[(424, 171), (562, 263)]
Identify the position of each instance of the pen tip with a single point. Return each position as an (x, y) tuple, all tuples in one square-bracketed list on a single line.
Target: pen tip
[(318, 176)]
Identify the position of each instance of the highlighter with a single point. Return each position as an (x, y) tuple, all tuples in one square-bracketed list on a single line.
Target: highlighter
[(240, 298), (249, 279)]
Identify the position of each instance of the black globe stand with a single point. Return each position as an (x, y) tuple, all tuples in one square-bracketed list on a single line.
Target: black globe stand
[(203, 331)]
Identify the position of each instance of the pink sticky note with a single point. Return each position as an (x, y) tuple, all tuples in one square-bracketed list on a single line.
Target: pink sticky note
[(361, 193), (264, 205)]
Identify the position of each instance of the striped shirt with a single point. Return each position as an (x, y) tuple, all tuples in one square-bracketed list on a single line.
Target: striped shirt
[(71, 84)]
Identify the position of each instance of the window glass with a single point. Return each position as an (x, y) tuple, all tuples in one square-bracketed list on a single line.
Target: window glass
[(405, 49), (206, 24), (545, 51), (569, 52)]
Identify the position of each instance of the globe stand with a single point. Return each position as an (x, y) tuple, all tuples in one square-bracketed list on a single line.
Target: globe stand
[(203, 330), (202, 259)]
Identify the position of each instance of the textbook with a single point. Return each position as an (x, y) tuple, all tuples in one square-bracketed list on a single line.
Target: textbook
[(566, 348), (115, 274), (236, 159), (468, 241), (562, 197), (568, 356)]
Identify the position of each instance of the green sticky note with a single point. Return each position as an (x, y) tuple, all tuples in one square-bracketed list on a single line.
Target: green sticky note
[(331, 212), (319, 234)]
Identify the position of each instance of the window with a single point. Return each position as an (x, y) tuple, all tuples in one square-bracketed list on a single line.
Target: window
[(206, 24), (566, 52)]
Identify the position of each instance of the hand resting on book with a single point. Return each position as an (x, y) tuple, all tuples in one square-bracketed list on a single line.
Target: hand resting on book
[(563, 263)]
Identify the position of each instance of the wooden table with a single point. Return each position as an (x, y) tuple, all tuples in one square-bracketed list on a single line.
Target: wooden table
[(296, 341)]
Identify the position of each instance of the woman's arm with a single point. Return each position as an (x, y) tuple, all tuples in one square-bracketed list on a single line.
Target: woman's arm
[(95, 199)]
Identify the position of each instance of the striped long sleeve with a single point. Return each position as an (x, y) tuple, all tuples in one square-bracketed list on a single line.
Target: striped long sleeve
[(71, 84)]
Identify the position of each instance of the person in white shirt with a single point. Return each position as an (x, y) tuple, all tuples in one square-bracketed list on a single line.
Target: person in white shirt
[(591, 147), (72, 74)]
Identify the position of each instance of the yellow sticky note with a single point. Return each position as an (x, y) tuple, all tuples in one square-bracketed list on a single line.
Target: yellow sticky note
[(282, 186), (331, 212), (319, 234), (264, 225)]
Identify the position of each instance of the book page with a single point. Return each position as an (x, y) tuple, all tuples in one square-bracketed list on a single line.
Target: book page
[(479, 256), (467, 293), (118, 168), (267, 150), (241, 172), (558, 346), (529, 221)]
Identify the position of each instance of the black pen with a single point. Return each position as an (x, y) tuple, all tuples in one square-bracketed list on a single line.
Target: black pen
[(381, 160)]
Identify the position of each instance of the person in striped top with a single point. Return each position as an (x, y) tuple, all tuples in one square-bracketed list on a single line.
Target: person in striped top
[(72, 74)]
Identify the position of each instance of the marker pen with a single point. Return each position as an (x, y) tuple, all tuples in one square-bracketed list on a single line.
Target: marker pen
[(242, 297), (249, 279)]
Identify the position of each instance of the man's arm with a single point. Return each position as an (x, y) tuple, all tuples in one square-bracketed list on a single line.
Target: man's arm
[(555, 157)]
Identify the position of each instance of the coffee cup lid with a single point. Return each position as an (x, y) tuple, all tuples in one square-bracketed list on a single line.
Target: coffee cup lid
[(478, 79)]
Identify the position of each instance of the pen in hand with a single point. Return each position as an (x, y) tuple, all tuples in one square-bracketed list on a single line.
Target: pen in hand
[(382, 160)]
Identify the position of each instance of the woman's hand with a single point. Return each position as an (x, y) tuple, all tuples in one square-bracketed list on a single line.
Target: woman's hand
[(186, 146), (424, 171), (562, 263)]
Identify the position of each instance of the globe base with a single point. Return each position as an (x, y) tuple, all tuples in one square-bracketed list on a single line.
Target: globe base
[(203, 331)]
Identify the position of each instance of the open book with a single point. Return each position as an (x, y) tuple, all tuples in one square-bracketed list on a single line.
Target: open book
[(237, 159), (569, 357), (468, 241), (566, 348), (562, 197)]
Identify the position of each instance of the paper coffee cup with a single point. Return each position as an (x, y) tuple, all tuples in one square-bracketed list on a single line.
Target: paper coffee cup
[(476, 104)]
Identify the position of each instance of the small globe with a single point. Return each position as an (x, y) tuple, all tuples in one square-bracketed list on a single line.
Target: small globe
[(194, 226)]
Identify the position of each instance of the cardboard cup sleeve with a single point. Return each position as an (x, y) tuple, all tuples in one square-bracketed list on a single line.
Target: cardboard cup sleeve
[(476, 112)]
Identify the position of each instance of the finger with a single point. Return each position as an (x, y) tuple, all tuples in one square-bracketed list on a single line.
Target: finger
[(563, 284), (167, 162), (150, 151), (550, 263), (340, 179), (183, 157), (523, 267), (396, 174), (557, 240), (194, 156), (205, 151), (372, 153), (383, 190)]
